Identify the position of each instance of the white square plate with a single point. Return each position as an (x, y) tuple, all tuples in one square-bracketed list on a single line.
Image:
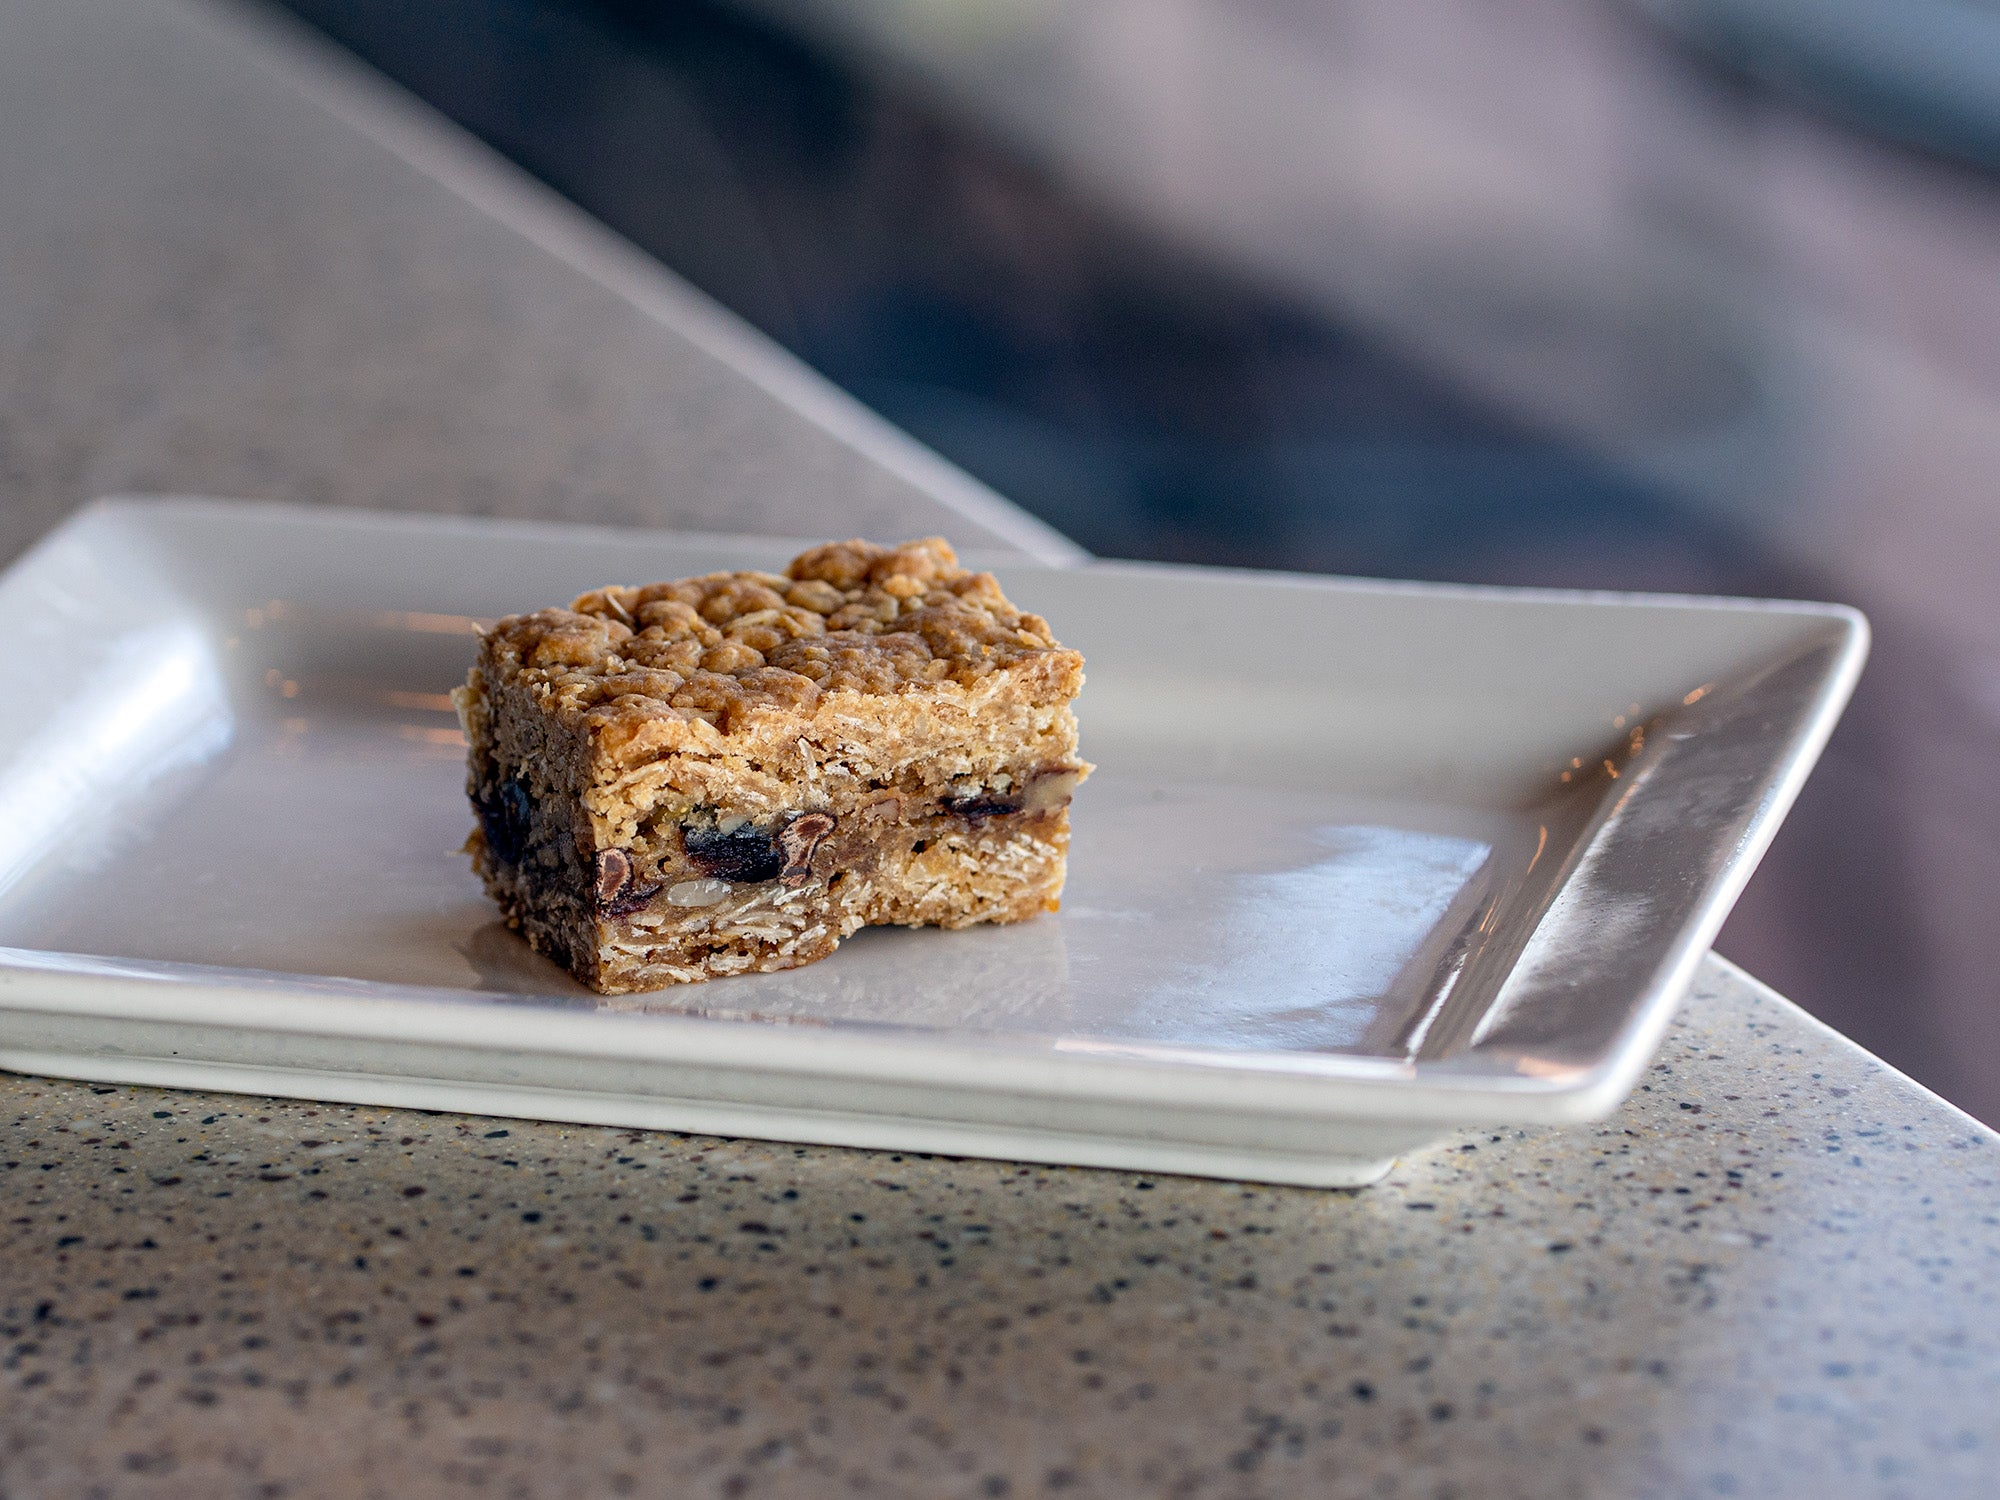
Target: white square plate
[(1362, 862)]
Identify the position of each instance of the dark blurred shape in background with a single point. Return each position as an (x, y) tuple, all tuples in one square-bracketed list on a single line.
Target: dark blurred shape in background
[(1668, 294)]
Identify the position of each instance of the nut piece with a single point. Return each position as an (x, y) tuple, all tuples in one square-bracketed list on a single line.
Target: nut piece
[(613, 870), (1051, 787), (703, 892), (801, 836)]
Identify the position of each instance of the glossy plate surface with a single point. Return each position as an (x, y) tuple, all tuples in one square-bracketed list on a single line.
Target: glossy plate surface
[(1362, 862)]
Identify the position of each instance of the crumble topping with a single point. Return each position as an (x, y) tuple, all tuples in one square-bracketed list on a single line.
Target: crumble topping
[(848, 616)]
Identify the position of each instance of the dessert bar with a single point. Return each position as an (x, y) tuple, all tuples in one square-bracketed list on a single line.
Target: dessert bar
[(732, 773)]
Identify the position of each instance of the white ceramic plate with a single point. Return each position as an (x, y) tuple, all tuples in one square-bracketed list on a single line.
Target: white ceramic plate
[(1362, 862)]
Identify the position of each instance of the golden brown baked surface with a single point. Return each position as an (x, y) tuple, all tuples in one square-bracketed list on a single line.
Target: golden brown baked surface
[(848, 616), (733, 772)]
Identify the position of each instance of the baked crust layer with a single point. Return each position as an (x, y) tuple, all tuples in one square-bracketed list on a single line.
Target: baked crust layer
[(733, 772)]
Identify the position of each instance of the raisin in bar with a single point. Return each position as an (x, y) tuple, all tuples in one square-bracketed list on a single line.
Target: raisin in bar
[(732, 773)]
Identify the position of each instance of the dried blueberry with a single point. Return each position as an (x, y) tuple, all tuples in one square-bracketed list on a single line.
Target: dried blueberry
[(632, 898), (505, 814), (744, 854), (981, 805)]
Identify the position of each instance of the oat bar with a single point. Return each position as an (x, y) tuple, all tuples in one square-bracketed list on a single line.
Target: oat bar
[(734, 772)]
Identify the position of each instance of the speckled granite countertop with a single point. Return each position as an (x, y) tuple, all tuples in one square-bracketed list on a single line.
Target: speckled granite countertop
[(1775, 1272)]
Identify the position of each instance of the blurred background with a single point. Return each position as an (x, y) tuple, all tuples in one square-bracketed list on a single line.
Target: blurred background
[(1695, 295)]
